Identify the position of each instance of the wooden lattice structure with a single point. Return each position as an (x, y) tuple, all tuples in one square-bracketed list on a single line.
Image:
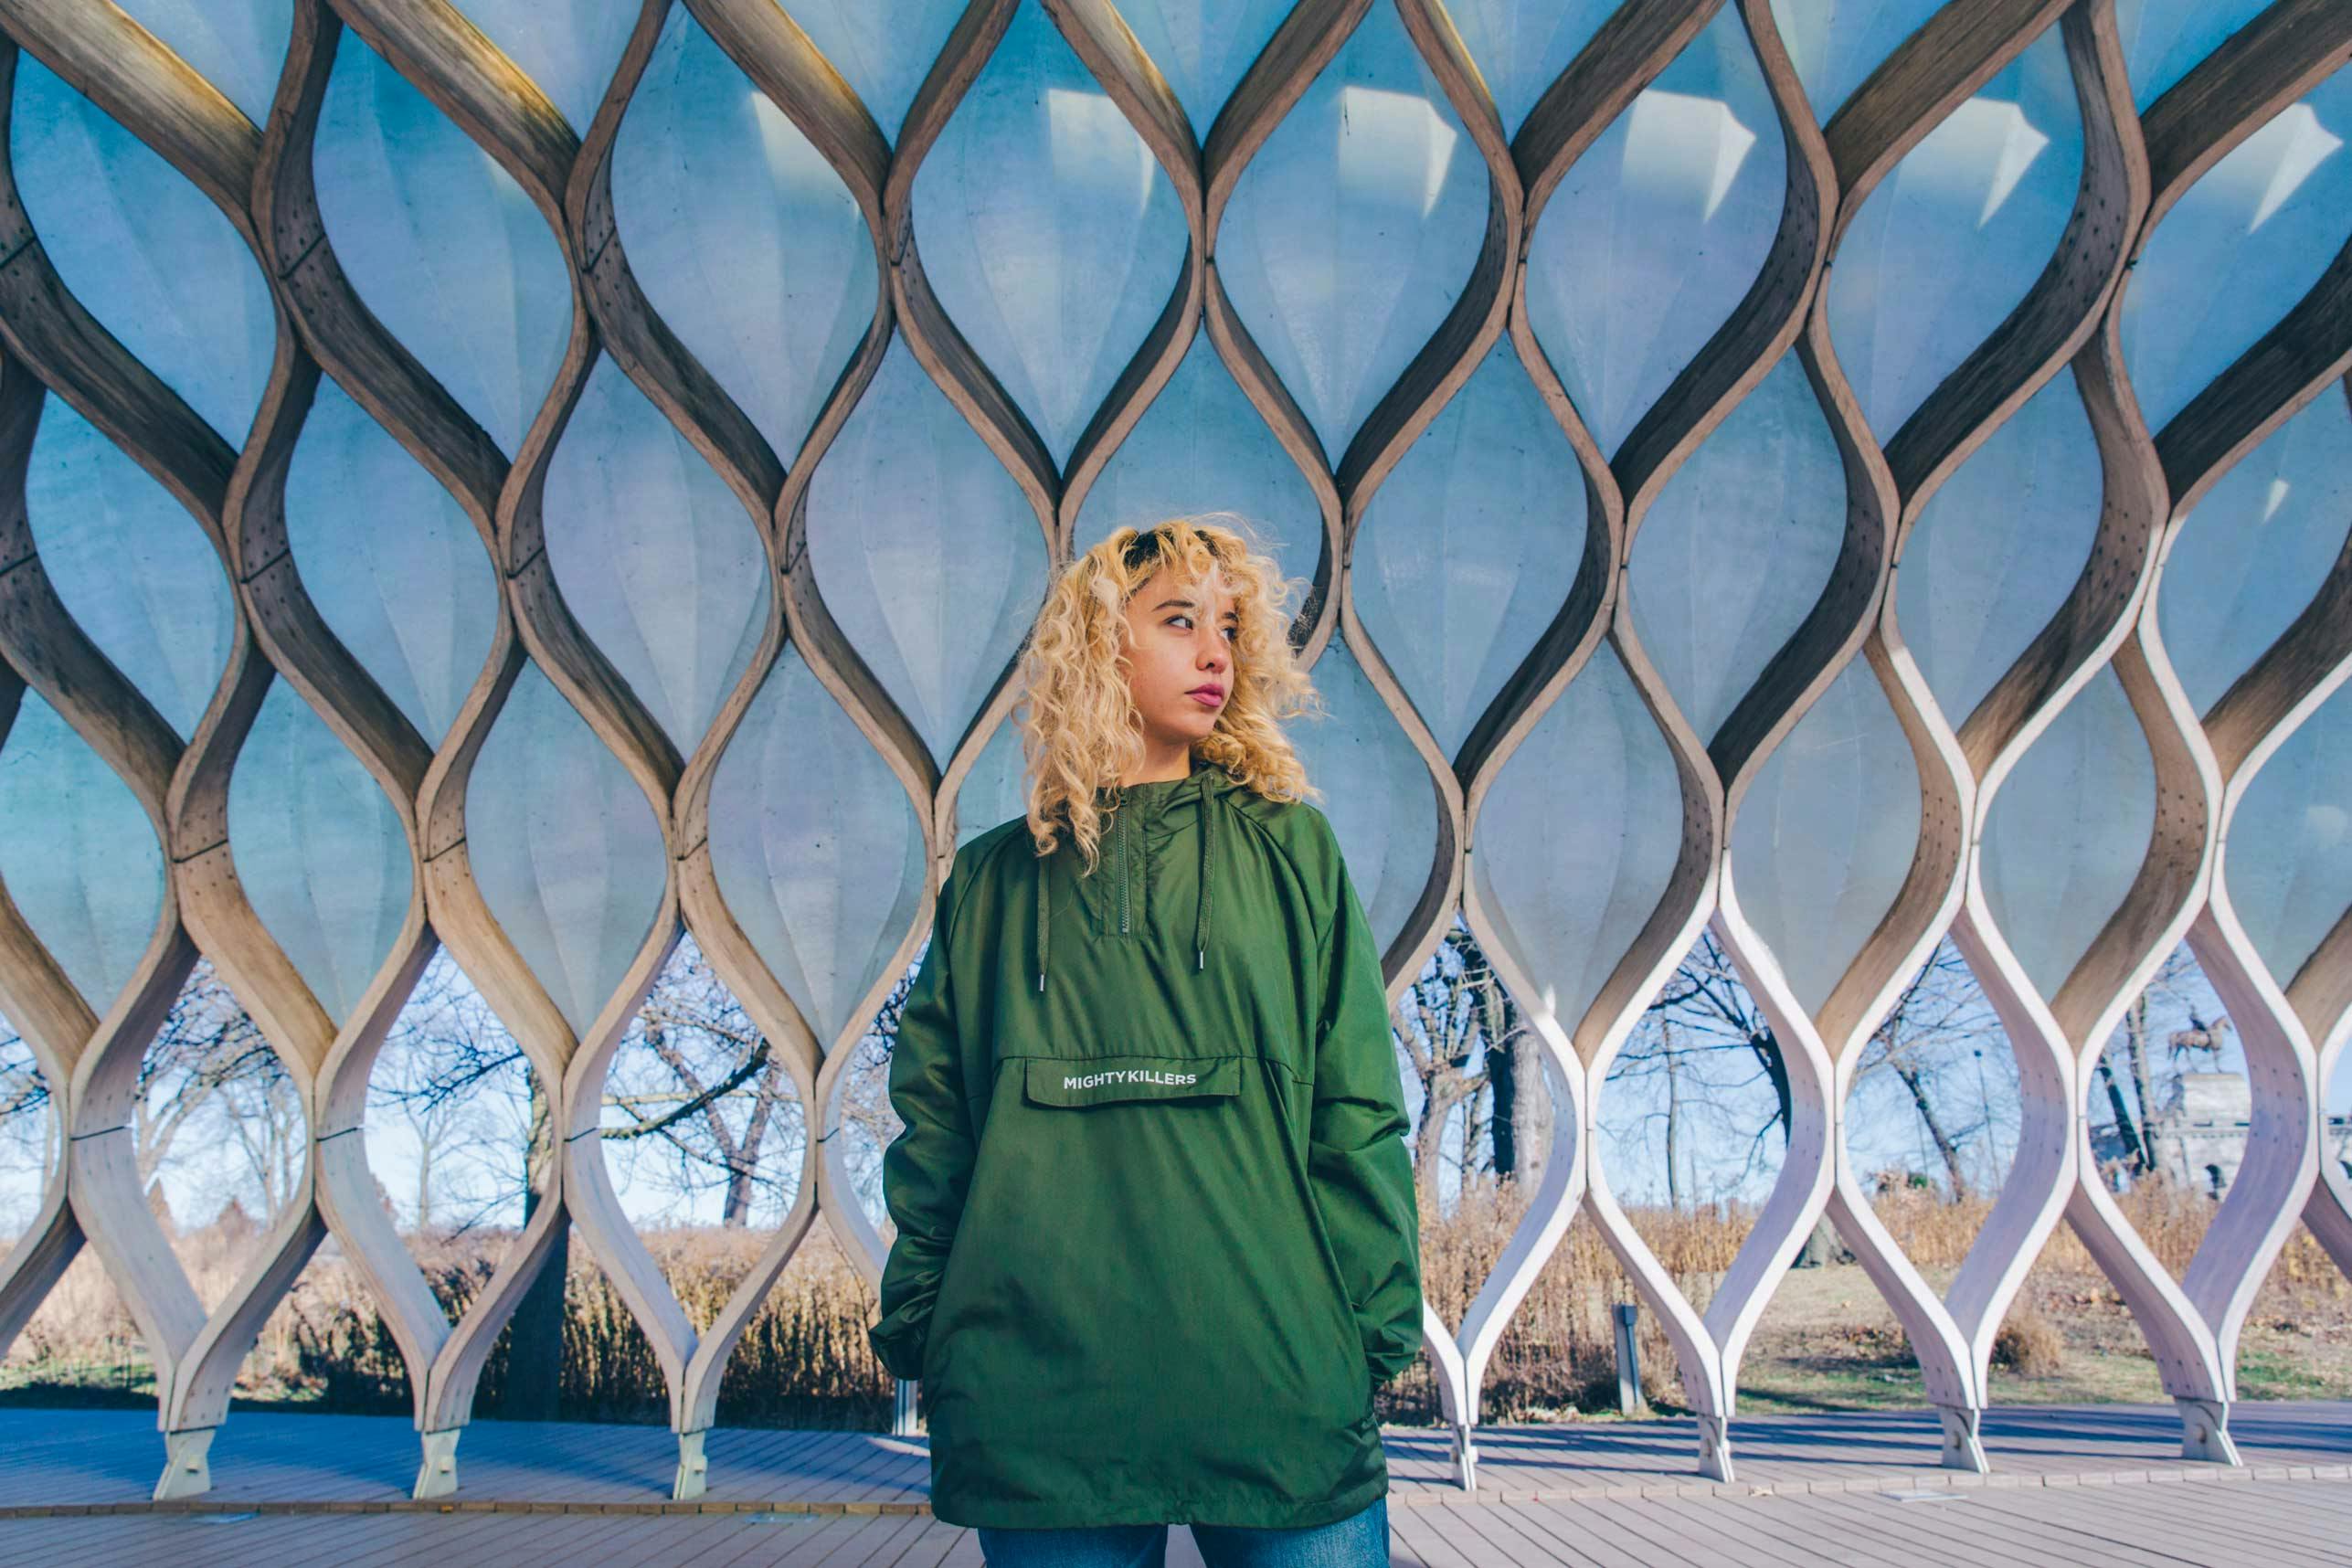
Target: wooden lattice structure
[(1945, 358)]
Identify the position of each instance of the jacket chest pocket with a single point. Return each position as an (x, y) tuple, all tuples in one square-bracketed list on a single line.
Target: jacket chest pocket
[(1102, 1080)]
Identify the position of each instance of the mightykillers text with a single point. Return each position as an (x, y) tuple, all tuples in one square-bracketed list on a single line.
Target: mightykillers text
[(1128, 1076)]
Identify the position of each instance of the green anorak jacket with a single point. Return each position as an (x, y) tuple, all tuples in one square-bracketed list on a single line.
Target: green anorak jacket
[(1156, 1244)]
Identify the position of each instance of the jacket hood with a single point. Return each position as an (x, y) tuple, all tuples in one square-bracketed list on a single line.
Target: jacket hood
[(1154, 810)]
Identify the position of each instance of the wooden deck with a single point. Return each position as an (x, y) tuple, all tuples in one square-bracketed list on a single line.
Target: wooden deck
[(2276, 1524), (2087, 1486)]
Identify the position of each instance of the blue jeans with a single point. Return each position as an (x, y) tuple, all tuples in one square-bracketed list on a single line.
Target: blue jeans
[(1359, 1541)]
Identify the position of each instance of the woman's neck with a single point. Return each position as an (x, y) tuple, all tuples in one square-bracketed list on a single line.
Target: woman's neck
[(1163, 770)]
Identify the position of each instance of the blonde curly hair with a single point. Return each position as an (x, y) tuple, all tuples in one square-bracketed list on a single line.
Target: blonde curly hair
[(1080, 730)]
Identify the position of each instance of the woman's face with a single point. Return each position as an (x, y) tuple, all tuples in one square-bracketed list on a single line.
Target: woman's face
[(1181, 657)]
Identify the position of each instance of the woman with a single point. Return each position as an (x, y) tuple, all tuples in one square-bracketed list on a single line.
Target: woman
[(1158, 1247)]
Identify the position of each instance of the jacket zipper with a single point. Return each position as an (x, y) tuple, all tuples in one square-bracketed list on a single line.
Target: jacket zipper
[(1126, 848)]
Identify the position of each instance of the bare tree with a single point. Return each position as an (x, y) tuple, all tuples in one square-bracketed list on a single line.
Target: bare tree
[(1938, 1025), (265, 1122), (30, 1139), (1703, 1060), (214, 1109), (703, 1080), (694, 1078), (1673, 1112), (1478, 1064), (1435, 1029), (210, 1064), (453, 1076), (439, 1127), (862, 1100), (1705, 1068)]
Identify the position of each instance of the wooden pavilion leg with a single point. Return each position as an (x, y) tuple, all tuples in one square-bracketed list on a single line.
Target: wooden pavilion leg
[(903, 1405), (1715, 1449), (1962, 1449), (187, 1472), (694, 1466), (2205, 1430), (437, 1475), (1466, 1458)]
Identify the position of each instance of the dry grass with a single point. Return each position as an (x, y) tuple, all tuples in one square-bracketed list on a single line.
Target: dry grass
[(803, 1361), (1826, 1341), (1829, 1341)]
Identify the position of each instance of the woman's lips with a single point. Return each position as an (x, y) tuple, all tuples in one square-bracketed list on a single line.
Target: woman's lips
[(1208, 699)]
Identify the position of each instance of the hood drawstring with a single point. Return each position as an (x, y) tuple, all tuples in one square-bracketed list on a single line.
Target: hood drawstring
[(1121, 840), (1200, 908)]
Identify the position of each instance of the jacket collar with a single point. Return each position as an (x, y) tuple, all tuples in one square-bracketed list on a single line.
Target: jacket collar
[(1152, 808), (1156, 801)]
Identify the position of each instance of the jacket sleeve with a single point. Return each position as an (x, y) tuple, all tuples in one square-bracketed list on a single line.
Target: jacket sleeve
[(926, 1169), (1360, 1169)]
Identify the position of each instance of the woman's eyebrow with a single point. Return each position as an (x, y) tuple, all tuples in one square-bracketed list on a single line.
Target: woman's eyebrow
[(1187, 604)]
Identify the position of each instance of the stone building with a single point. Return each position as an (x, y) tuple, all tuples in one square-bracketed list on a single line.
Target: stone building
[(2199, 1135)]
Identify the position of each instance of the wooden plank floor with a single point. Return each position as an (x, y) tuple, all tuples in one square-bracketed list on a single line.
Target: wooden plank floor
[(2274, 1524), (110, 1459)]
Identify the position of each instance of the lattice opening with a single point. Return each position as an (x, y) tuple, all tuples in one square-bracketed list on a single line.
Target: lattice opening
[(219, 1133), (1829, 1341), (450, 1109), (79, 1342), (32, 1147), (1692, 1124), (2170, 1108), (31, 1143), (1486, 1109), (1480, 1092), (702, 1132), (804, 1359), (868, 1122), (1932, 1118), (2336, 1131), (1933, 1113), (1557, 1359), (2068, 1338), (220, 1145), (80, 1346)]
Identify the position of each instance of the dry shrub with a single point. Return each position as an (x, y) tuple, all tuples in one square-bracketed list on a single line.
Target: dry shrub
[(1932, 1233), (2029, 1344)]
